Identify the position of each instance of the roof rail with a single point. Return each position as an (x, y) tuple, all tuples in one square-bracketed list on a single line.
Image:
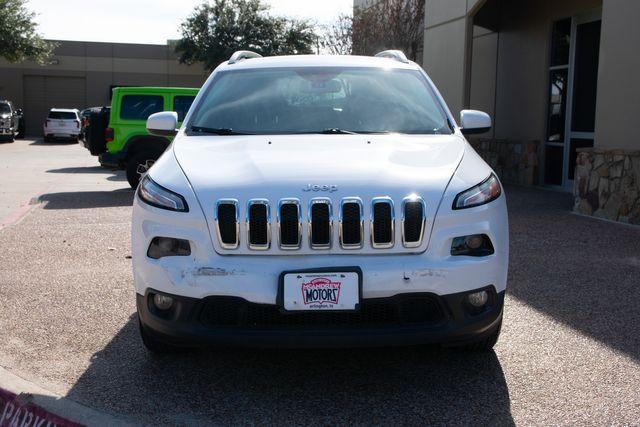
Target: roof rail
[(398, 55), (243, 54)]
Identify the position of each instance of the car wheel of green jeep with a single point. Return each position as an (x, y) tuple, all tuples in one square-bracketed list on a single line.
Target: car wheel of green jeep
[(138, 165)]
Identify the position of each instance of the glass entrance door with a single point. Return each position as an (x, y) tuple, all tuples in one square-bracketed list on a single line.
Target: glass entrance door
[(573, 79)]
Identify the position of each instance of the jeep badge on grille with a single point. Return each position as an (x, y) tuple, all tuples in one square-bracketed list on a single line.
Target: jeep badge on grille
[(317, 187)]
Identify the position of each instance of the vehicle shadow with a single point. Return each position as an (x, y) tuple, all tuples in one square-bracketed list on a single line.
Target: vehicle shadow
[(87, 199), (359, 386), (116, 174), (40, 141), (581, 271)]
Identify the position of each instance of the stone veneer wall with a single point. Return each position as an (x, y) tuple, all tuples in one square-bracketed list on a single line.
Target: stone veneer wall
[(607, 184), (515, 162)]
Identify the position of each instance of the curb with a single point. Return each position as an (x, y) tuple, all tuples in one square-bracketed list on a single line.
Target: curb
[(30, 395)]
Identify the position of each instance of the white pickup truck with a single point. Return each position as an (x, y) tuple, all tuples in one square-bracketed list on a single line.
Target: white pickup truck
[(319, 201)]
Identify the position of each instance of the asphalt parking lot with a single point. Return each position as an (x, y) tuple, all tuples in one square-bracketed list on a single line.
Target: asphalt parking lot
[(569, 352)]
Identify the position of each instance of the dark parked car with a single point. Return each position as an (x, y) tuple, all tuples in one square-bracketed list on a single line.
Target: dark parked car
[(84, 122), (8, 121), (21, 124)]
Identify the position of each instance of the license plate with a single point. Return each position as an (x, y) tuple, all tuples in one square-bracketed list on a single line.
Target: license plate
[(321, 290)]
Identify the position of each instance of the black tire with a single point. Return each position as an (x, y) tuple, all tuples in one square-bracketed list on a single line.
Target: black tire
[(483, 345), (153, 345), (136, 163)]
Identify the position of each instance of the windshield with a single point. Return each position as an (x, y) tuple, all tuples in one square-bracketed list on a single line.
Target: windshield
[(5, 109), (62, 115), (320, 100)]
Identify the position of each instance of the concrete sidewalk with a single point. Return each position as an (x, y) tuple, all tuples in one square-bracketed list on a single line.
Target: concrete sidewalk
[(30, 167)]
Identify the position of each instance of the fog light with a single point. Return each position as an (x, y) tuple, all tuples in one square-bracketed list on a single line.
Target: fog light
[(478, 299), (167, 246), (474, 242), (162, 302), (477, 245)]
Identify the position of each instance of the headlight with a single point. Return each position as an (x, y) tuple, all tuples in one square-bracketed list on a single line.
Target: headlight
[(486, 191), (158, 196)]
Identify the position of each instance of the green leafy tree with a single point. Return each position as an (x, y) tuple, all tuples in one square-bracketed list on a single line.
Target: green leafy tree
[(19, 39), (217, 29)]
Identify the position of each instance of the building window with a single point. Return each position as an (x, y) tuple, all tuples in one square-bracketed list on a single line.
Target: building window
[(181, 105), (558, 97), (140, 107)]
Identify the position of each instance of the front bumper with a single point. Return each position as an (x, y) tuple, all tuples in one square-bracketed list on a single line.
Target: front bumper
[(404, 319)]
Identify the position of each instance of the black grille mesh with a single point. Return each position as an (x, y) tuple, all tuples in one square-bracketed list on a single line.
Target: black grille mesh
[(289, 224), (413, 219), (258, 227), (422, 309), (227, 223), (382, 220), (320, 224), (351, 230)]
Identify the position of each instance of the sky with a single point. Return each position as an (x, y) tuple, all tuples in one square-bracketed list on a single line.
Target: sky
[(150, 21)]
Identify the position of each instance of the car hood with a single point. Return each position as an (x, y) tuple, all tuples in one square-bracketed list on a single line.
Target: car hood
[(284, 166), (5, 116)]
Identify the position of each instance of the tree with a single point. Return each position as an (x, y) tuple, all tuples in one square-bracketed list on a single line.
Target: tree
[(215, 30), (19, 39), (389, 24), (337, 39)]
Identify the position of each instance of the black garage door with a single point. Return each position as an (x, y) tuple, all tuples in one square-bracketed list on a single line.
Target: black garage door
[(44, 92)]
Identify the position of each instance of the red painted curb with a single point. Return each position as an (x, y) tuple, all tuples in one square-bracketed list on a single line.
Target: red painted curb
[(15, 216), (17, 410)]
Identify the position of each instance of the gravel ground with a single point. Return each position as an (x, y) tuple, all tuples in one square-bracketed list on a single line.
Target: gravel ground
[(569, 352)]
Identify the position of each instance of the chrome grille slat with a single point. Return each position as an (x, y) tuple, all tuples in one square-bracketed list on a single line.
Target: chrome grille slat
[(413, 219), (227, 225), (258, 224), (289, 224), (351, 223), (382, 223), (320, 223)]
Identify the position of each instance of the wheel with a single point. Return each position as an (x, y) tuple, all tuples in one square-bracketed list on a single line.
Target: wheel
[(138, 165), (153, 345), (47, 139), (483, 345)]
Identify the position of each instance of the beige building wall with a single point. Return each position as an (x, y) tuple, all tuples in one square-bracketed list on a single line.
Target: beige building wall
[(617, 124), (445, 49), (508, 70), (100, 66), (521, 74)]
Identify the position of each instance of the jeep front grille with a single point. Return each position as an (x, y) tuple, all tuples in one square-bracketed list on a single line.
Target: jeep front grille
[(318, 225)]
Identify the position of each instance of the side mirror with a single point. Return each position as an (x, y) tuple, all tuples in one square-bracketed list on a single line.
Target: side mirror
[(474, 122), (163, 123)]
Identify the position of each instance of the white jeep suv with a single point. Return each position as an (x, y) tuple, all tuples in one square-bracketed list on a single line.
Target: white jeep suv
[(319, 201)]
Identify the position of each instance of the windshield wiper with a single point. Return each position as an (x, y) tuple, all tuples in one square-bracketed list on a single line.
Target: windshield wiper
[(216, 131), (337, 131)]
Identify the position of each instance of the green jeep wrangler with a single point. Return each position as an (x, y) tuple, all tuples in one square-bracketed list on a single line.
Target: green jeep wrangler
[(128, 144)]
